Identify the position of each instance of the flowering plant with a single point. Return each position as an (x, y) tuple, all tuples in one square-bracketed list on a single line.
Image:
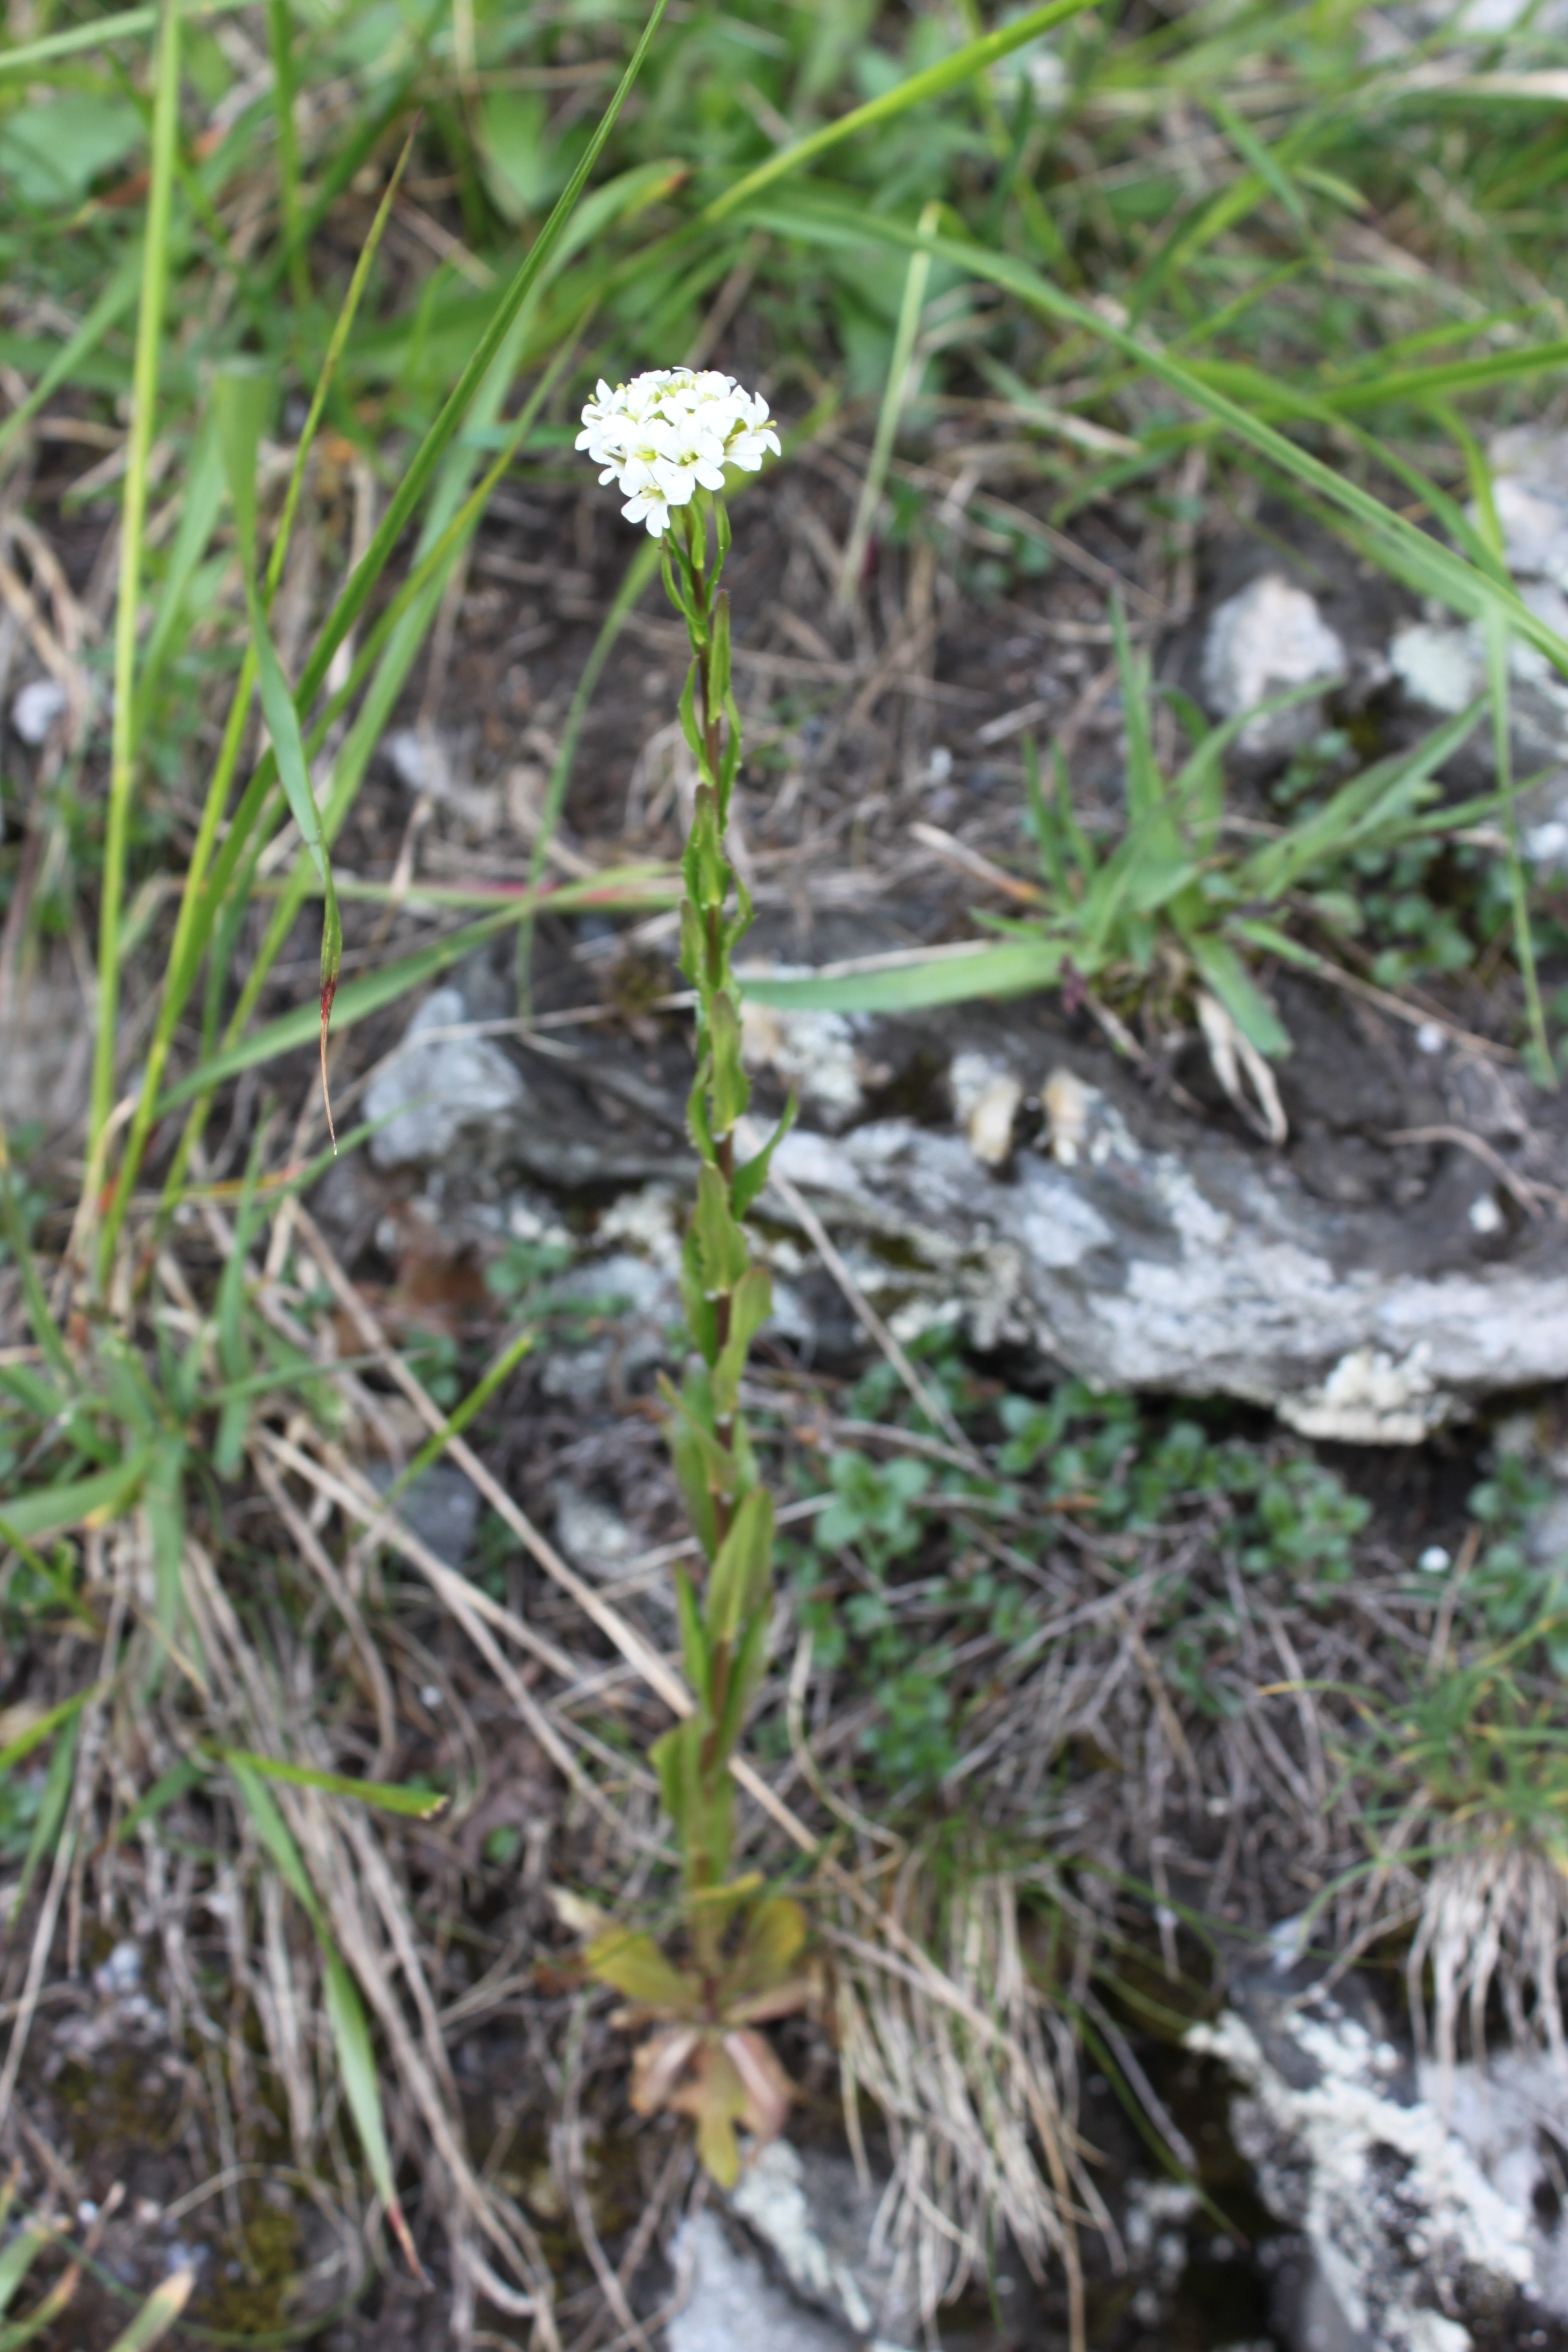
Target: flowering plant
[(670, 433), (666, 438)]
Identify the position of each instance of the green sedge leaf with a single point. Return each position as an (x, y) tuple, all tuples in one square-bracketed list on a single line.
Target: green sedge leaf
[(386, 1796), (362, 2089), (158, 2314)]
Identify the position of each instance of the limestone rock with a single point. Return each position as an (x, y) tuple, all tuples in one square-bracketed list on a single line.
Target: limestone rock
[(1210, 1270), (1261, 642), (438, 1088), (1414, 2199)]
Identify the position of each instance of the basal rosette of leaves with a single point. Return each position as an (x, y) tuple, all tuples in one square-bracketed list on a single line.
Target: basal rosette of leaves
[(733, 1962)]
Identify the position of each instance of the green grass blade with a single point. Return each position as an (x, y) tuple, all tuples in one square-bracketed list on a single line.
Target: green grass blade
[(149, 343), (165, 1791), (241, 402), (44, 2315), (917, 278), (25, 1742), (158, 2314), (434, 445), (415, 1804), (51, 1810), (280, 31), (935, 82), (1227, 976), (1423, 385), (109, 308), (50, 1510), (917, 981), (1400, 546), (125, 24), (197, 906), (329, 366), (17, 2259), (362, 2088), (475, 1401), (369, 993), (199, 512), (277, 1839)]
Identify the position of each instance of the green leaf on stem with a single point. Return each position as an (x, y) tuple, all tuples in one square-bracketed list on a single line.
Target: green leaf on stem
[(635, 1967), (694, 1640), (751, 1179), (751, 1303), (740, 1581), (729, 1085)]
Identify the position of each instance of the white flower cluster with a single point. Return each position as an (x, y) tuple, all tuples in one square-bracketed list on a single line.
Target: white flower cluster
[(671, 432)]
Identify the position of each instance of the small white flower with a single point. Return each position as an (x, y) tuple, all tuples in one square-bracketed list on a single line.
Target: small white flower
[(672, 432)]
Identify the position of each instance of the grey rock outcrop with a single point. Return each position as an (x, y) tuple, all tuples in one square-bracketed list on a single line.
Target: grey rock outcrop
[(1209, 1271), (438, 1088), (1415, 2194)]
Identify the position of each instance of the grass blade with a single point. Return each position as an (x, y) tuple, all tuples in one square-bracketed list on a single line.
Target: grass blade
[(431, 450), (374, 989), (126, 24), (912, 983), (415, 1804), (362, 2087), (17, 2259), (935, 82), (350, 2034), (280, 32), (25, 1742), (133, 519), (241, 402), (900, 383), (110, 306), (22, 2331), (50, 1510), (1403, 549), (51, 1810), (196, 907), (158, 2314)]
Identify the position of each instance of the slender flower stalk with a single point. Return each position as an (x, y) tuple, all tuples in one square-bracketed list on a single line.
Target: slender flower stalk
[(666, 438)]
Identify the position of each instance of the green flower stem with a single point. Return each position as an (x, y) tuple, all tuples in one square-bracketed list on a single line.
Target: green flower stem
[(727, 1298)]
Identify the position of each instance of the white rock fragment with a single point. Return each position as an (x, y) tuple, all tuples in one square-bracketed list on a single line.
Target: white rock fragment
[(1395, 2206), (436, 1087), (1530, 491), (1370, 1398), (39, 704), (1439, 668), (1066, 1100), (594, 1538), (1263, 641), (648, 1221), (423, 763), (728, 2302), (986, 1103), (812, 1052), (1509, 2114), (1192, 1273)]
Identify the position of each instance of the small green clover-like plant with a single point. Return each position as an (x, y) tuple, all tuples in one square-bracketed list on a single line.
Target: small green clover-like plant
[(1516, 1586), (872, 1510)]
